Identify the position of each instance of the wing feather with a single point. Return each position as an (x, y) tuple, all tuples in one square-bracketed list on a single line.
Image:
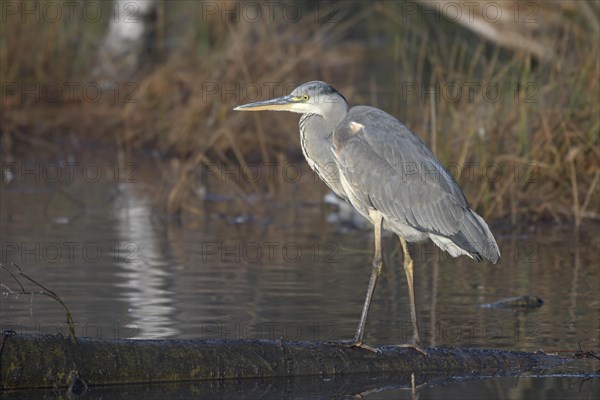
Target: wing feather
[(398, 173)]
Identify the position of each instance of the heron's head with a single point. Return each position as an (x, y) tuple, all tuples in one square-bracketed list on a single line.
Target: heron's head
[(310, 98)]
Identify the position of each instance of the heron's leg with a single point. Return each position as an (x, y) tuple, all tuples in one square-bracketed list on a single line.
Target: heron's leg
[(408, 269), (377, 220)]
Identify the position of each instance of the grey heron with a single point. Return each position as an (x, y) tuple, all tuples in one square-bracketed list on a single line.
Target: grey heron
[(374, 162)]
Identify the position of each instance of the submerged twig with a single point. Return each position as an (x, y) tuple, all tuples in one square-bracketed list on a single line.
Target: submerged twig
[(45, 292)]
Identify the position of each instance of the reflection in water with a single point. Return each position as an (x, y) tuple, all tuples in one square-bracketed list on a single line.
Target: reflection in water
[(427, 385), (145, 273)]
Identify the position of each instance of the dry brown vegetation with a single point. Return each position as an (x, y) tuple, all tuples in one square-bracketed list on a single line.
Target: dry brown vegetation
[(533, 151)]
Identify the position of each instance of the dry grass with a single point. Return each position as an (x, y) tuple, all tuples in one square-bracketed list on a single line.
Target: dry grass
[(534, 151), (538, 144)]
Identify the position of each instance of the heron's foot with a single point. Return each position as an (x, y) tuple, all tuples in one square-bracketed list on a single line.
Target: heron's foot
[(355, 343), (414, 344)]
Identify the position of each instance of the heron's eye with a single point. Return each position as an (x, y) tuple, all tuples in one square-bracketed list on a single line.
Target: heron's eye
[(305, 97)]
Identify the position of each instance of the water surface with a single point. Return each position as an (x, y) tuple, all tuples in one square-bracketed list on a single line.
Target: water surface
[(272, 267)]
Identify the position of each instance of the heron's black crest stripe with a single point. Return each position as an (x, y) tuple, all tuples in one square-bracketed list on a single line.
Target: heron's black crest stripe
[(333, 91), (327, 89)]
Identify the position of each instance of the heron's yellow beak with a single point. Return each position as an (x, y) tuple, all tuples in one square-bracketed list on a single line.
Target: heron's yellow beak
[(284, 103)]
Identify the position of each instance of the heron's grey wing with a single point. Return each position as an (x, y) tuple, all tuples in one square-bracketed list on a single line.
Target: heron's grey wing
[(390, 168)]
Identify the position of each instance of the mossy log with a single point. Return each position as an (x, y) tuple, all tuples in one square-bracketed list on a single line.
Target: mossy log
[(54, 361)]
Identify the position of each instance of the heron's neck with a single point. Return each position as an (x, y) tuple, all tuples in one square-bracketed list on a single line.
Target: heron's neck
[(315, 132), (314, 138)]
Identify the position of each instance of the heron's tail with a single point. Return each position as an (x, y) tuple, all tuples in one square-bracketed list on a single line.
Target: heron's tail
[(473, 239), (478, 237)]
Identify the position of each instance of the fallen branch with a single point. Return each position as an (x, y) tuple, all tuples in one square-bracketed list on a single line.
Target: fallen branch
[(33, 361), (44, 292)]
